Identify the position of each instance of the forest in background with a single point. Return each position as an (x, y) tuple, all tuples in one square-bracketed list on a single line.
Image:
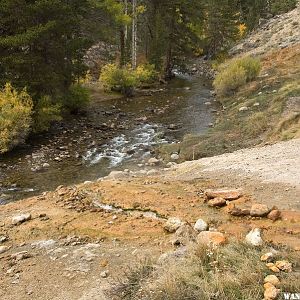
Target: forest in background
[(43, 43)]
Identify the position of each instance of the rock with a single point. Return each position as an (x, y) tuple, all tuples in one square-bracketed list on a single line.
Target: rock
[(44, 244), (184, 235), (271, 292), (243, 108), (16, 220), (272, 267), (153, 161), (259, 210), (104, 274), (227, 194), (152, 172), (46, 165), (174, 156), (207, 103), (284, 265), (3, 239), (256, 104), (200, 225), (272, 279), (274, 215), (267, 257), (21, 255), (117, 175), (173, 224), (172, 255), (217, 202), (254, 237), (210, 237), (239, 212), (3, 249)]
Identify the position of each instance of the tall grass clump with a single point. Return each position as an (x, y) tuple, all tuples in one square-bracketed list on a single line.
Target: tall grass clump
[(15, 117), (236, 73)]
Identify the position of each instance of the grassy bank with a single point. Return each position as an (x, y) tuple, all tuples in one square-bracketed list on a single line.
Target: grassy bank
[(271, 114)]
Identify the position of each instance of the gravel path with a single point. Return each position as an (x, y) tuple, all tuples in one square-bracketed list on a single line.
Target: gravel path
[(271, 172)]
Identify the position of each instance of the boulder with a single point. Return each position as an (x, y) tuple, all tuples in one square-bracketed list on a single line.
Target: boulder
[(272, 267), (210, 237), (217, 202), (173, 224), (274, 215), (284, 265), (239, 212), (200, 225), (259, 210), (227, 194), (271, 292), (272, 279), (16, 220), (254, 237)]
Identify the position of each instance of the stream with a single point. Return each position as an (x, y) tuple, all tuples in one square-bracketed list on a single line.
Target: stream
[(115, 134)]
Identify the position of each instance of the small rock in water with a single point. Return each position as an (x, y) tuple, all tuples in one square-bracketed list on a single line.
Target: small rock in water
[(173, 224), (16, 220), (3, 249), (254, 237), (200, 225)]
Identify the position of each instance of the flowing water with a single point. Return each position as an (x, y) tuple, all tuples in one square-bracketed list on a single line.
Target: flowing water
[(113, 135)]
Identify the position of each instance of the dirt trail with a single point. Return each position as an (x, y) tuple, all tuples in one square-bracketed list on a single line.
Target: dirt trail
[(271, 172)]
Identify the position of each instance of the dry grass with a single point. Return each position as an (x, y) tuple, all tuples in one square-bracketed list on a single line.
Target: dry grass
[(233, 272)]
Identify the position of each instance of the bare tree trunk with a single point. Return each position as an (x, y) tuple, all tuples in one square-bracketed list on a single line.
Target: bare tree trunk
[(134, 35)]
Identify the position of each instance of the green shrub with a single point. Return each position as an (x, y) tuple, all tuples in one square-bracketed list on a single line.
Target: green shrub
[(77, 99), (15, 117), (125, 79), (280, 7), (45, 113), (236, 73)]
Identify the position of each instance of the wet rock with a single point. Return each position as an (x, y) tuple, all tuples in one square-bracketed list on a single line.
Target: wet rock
[(272, 279), (200, 225), (227, 194), (184, 235), (3, 249), (173, 224), (217, 202), (153, 161), (210, 237), (17, 220), (284, 265), (267, 257), (259, 210), (274, 215), (254, 237), (271, 292)]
